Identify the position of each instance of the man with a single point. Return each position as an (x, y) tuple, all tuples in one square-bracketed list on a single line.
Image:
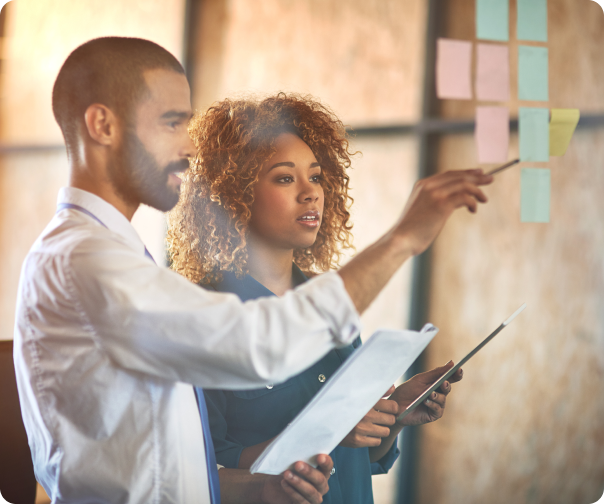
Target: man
[(107, 343)]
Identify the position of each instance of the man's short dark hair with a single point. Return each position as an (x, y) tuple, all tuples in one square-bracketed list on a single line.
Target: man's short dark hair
[(109, 71)]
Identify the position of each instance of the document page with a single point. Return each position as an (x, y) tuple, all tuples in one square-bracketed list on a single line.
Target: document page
[(345, 399)]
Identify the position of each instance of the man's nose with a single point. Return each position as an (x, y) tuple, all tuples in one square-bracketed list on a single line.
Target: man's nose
[(188, 149)]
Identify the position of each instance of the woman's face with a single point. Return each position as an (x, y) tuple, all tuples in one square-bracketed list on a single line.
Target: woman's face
[(288, 197)]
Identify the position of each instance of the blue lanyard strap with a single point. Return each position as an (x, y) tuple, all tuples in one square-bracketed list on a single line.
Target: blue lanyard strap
[(63, 206)]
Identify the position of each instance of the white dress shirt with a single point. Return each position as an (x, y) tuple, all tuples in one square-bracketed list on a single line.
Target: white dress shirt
[(107, 345)]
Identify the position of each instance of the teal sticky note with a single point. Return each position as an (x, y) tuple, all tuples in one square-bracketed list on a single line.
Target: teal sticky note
[(492, 20), (533, 129), (532, 20), (533, 73), (534, 194)]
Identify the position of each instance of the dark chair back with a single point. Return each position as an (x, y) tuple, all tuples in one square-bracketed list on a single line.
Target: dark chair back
[(17, 480)]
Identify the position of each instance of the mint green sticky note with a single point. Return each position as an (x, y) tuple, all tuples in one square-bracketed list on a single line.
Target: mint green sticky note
[(532, 20), (492, 20), (533, 73), (534, 194), (533, 129)]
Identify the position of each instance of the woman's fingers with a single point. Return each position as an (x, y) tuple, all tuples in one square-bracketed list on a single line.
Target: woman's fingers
[(305, 484)]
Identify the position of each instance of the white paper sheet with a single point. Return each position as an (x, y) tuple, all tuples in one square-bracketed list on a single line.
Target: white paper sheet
[(344, 399)]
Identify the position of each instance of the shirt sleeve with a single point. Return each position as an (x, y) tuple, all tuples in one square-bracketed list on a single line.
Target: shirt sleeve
[(152, 320), (227, 450), (383, 465)]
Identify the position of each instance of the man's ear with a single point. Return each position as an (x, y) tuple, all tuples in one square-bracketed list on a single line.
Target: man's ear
[(102, 124)]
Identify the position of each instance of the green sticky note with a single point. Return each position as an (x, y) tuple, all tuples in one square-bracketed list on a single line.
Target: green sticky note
[(492, 20), (533, 129), (532, 20), (533, 73), (534, 194)]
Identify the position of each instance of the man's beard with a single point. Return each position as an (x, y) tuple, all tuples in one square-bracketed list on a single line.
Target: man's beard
[(138, 178)]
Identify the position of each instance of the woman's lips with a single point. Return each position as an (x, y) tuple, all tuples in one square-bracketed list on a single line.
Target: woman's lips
[(310, 219)]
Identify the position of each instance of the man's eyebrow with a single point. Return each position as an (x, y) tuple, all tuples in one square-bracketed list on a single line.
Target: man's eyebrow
[(289, 164), (175, 114)]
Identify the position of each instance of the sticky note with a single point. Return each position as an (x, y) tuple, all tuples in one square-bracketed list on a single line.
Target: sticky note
[(492, 134), (492, 20), (533, 73), (493, 72), (534, 194), (561, 128), (532, 20), (533, 129), (453, 69)]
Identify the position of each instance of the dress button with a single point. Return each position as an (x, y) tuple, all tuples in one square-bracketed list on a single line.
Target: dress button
[(333, 471), (322, 378), (269, 386)]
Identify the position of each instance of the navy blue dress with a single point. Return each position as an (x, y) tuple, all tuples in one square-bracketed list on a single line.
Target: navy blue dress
[(242, 418)]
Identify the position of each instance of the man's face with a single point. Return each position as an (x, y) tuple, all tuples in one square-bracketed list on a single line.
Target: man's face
[(157, 145)]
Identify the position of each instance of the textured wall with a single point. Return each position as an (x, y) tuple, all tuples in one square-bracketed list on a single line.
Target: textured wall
[(363, 57), (527, 423)]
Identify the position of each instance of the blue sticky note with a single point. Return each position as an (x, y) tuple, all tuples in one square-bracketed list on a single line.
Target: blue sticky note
[(492, 20), (534, 194), (533, 129), (532, 20), (533, 73)]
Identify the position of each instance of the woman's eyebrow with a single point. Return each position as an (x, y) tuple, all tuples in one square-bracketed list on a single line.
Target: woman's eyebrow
[(289, 164)]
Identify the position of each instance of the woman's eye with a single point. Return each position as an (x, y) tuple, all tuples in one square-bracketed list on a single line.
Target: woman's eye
[(316, 178), (285, 180)]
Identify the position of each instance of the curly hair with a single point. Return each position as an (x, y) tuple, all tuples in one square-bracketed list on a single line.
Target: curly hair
[(207, 229)]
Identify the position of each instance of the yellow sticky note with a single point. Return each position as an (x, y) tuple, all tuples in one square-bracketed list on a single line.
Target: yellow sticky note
[(561, 129)]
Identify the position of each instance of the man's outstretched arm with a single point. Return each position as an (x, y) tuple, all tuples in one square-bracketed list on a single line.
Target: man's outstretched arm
[(431, 203)]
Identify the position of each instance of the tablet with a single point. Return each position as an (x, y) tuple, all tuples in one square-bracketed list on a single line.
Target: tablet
[(451, 371)]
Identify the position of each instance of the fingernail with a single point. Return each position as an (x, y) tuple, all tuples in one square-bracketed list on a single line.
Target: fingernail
[(446, 384), (461, 372), (433, 395), (289, 476), (450, 362)]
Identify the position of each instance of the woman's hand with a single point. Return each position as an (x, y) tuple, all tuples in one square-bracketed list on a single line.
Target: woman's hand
[(433, 407), (303, 485), (374, 426)]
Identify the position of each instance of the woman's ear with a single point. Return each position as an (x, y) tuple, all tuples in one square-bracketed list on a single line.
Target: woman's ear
[(101, 124)]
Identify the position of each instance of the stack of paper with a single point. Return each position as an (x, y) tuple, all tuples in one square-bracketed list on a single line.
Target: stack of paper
[(345, 399)]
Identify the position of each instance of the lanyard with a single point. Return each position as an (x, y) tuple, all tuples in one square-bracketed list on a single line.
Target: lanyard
[(63, 206)]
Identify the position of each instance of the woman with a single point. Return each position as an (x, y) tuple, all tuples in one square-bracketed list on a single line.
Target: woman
[(264, 207)]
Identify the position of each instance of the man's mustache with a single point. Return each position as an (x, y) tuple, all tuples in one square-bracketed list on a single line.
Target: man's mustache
[(177, 166)]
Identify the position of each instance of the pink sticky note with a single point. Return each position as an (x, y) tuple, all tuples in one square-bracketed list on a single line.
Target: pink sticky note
[(453, 69), (492, 134), (493, 72)]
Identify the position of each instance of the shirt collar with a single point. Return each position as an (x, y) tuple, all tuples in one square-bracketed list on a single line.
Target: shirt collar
[(249, 288), (110, 216)]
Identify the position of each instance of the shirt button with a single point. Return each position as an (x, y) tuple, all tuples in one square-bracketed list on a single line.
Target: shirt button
[(333, 471), (269, 386), (322, 378)]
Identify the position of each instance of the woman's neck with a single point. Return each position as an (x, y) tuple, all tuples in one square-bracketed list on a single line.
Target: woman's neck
[(270, 266)]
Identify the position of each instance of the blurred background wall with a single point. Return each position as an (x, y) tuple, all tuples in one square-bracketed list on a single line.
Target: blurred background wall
[(527, 423)]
